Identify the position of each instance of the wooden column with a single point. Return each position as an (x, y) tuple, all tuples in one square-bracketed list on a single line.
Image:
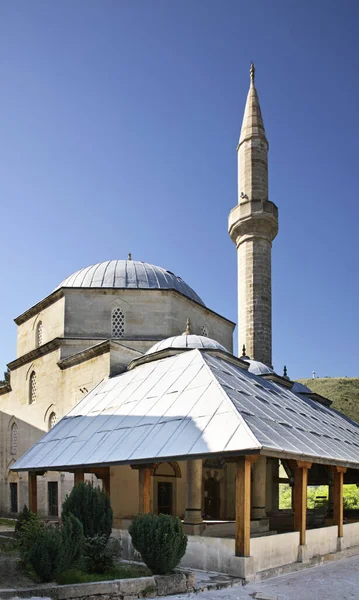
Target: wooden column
[(243, 505), (338, 477), (300, 498), (106, 480), (32, 485), (79, 477), (144, 479)]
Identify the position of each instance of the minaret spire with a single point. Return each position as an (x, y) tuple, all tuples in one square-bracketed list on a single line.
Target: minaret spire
[(253, 224)]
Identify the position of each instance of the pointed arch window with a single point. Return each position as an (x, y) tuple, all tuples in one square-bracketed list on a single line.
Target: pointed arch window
[(13, 438), (32, 388), (52, 420), (118, 323), (39, 334)]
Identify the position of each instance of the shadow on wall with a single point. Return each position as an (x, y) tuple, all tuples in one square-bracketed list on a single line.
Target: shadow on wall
[(16, 437)]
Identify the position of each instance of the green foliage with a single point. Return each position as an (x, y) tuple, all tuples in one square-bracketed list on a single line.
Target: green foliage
[(351, 497), (160, 540), (92, 507), (44, 555), (29, 534), (100, 553), (285, 496), (72, 543), (24, 517)]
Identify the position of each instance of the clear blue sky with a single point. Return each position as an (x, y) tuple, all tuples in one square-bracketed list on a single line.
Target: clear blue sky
[(119, 124)]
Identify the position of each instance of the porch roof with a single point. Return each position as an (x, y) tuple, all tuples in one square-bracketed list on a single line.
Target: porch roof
[(193, 404)]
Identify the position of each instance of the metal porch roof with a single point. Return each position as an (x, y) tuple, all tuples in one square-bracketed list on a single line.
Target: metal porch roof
[(195, 403)]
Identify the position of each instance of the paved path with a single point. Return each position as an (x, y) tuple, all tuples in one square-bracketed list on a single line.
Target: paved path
[(338, 580)]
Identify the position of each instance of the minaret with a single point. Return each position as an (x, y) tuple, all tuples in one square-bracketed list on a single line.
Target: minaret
[(253, 225)]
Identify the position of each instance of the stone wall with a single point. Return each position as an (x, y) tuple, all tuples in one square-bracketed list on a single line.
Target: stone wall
[(118, 589), (53, 322)]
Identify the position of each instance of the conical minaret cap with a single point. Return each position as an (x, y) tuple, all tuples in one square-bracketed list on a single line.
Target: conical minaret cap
[(252, 125)]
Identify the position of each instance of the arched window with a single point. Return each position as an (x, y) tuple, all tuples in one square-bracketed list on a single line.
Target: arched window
[(118, 323), (204, 331), (13, 439), (52, 420), (32, 388), (39, 330)]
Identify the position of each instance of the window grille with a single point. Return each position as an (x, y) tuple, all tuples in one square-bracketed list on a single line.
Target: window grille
[(204, 331), (32, 387), (39, 330), (118, 323), (52, 420), (13, 439)]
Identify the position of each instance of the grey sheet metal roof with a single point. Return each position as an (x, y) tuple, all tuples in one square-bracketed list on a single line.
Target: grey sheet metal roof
[(128, 274), (186, 341), (257, 368), (195, 403)]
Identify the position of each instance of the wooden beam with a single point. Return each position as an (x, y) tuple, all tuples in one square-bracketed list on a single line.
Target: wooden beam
[(79, 477), (32, 486), (144, 480), (300, 502), (338, 480), (243, 506)]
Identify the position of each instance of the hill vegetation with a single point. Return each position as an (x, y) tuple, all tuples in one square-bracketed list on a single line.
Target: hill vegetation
[(343, 391)]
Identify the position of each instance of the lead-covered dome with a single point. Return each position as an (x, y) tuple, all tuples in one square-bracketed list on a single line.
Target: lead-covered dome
[(184, 341), (129, 274)]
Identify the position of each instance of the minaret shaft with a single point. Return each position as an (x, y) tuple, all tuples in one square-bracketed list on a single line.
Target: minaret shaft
[(253, 224)]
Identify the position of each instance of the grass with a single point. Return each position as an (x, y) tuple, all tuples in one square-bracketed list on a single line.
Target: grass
[(8, 522), (8, 546), (118, 572), (343, 391)]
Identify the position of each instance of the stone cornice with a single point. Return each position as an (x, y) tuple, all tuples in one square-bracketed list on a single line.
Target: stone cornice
[(34, 310), (5, 389), (92, 352), (35, 353)]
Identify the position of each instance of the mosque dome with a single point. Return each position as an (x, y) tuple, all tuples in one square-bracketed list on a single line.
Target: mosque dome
[(128, 274), (257, 368), (188, 341)]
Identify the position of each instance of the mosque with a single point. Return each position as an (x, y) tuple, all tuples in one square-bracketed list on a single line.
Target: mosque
[(133, 381)]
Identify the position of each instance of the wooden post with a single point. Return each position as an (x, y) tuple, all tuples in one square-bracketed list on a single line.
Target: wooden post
[(32, 485), (79, 477), (300, 498), (144, 474), (106, 480), (338, 476), (243, 505)]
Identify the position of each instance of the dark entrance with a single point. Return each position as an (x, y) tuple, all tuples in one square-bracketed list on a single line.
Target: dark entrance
[(13, 497), (52, 492), (211, 498), (164, 495)]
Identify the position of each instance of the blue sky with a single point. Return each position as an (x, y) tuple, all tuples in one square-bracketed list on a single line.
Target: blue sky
[(119, 124)]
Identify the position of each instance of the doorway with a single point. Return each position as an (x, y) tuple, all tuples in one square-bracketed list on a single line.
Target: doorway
[(212, 498), (52, 492), (165, 497)]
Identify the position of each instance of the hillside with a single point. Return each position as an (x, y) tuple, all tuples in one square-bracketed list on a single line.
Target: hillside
[(343, 391)]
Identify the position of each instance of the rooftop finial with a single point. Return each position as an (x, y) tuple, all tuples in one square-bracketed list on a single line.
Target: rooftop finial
[(285, 374), (129, 257), (252, 71), (188, 327), (244, 350)]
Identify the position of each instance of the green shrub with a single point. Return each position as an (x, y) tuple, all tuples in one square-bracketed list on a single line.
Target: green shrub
[(24, 517), (72, 543), (160, 540), (44, 555), (29, 534), (92, 507), (100, 553)]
